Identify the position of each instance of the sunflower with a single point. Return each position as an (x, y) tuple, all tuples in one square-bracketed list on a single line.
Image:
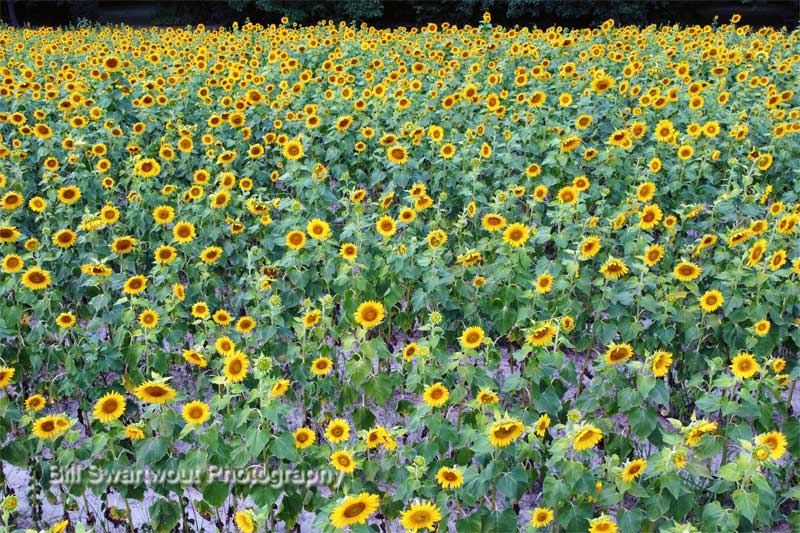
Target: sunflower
[(303, 438), (279, 388), (712, 300), (424, 515), (163, 214), (321, 366), (602, 524), (761, 327), (493, 222), (147, 168), (777, 260), (200, 310), (544, 283), (633, 470), (148, 318), (472, 337), (36, 279), (386, 226), (66, 320), (686, 271), (568, 195), (505, 431), (589, 247), (516, 234), (744, 365), (225, 346), (135, 284), (154, 392), (542, 335), (369, 314), (436, 238), (487, 397), (50, 427), (653, 254), (236, 367), (65, 238), (195, 412), (338, 430), (245, 325), (541, 425), (109, 408), (35, 402), (586, 437), (343, 462), (194, 357), (650, 216), (618, 353), (776, 441), (541, 517), (436, 395), (661, 362), (614, 268), (211, 254), (410, 350), (348, 251), (295, 239), (318, 229), (245, 521), (696, 431), (449, 478), (354, 510), (183, 231), (293, 150), (397, 154), (165, 254), (6, 374)]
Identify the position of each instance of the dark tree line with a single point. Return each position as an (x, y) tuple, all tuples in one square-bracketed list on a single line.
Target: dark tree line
[(575, 13)]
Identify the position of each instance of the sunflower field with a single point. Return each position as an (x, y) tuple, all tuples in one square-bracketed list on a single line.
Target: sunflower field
[(495, 279)]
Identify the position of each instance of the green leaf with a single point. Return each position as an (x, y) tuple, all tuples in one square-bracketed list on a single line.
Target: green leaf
[(152, 450), (746, 503), (164, 515)]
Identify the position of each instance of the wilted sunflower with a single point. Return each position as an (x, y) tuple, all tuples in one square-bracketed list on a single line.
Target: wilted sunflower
[(369, 314), (354, 510), (505, 431), (195, 358), (109, 408), (154, 392)]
